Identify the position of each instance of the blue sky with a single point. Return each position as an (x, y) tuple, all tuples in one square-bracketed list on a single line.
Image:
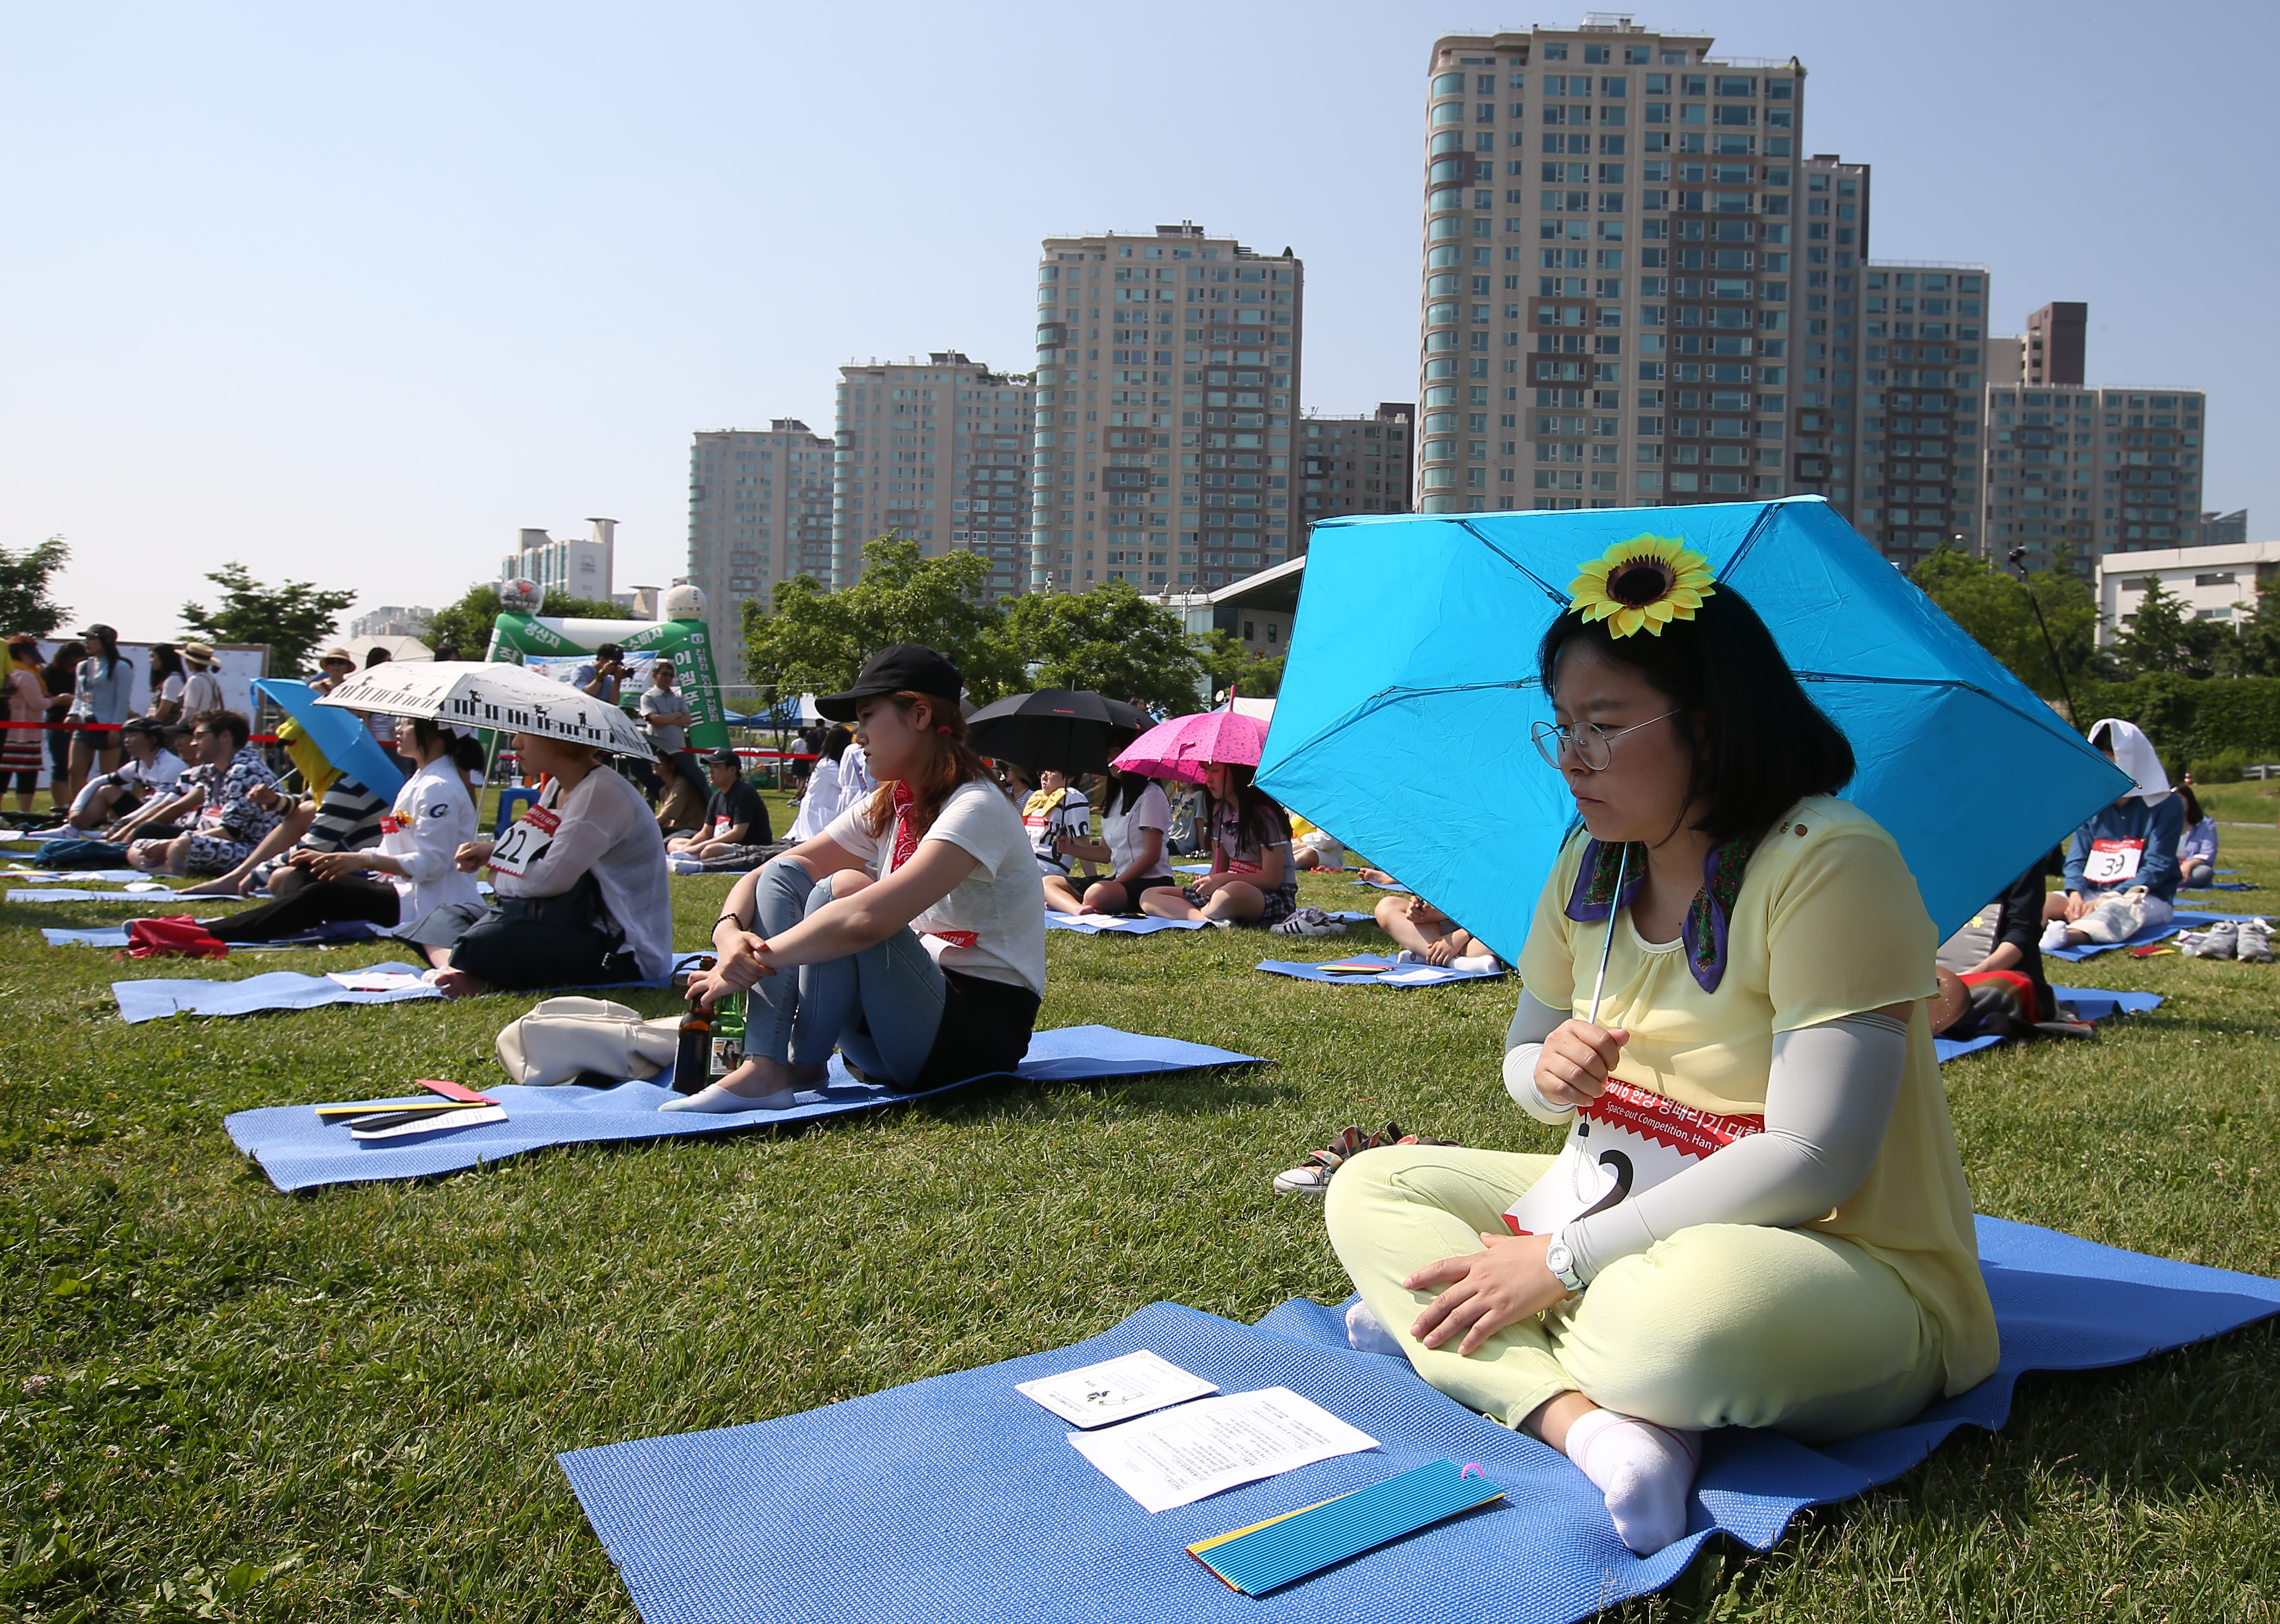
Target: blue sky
[(352, 293)]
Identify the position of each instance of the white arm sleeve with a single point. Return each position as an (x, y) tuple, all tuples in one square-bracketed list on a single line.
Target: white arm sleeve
[(1829, 1099), (1531, 1023)]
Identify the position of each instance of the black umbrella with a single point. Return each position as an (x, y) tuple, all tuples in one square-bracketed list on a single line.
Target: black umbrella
[(1065, 730)]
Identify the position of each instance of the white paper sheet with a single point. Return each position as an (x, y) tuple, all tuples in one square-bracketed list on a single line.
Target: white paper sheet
[(438, 1122), (1185, 1454), (375, 980), (1116, 1390)]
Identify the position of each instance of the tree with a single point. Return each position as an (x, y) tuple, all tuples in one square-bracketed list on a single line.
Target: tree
[(1997, 611), (466, 627), (2256, 651), (25, 605), (814, 640), (292, 619), (1110, 640), (2161, 636)]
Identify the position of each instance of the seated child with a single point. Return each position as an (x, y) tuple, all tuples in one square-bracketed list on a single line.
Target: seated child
[(1059, 820), (1253, 880), (2197, 845)]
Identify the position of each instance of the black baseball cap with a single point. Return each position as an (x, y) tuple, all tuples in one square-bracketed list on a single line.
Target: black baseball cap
[(899, 667), (725, 759)]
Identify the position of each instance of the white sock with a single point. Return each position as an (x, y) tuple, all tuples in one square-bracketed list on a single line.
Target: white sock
[(721, 1101), (1366, 1335), (1644, 1471), (2055, 936)]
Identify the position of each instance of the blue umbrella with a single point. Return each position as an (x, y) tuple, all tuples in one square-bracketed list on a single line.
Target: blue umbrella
[(347, 743), (1410, 687)]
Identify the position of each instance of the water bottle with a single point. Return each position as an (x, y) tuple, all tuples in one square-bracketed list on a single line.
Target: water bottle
[(693, 1057)]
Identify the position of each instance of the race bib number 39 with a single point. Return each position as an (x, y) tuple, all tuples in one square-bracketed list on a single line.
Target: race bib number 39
[(526, 840), (2112, 861), (1628, 1140)]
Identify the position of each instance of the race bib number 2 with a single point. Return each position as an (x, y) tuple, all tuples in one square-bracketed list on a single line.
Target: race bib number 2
[(2112, 861), (526, 840), (1626, 1141)]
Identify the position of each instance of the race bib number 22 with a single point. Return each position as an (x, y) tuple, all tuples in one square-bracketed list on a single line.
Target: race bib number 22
[(526, 840)]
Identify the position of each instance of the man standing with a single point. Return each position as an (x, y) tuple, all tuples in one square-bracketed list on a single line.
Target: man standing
[(202, 692), (668, 716)]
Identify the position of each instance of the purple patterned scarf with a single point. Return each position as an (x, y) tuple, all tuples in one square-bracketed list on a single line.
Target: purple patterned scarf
[(1704, 933)]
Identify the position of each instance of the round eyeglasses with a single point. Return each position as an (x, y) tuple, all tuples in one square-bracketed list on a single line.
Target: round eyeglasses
[(1591, 744)]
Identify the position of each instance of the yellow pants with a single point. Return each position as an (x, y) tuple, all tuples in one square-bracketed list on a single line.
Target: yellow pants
[(1721, 1325)]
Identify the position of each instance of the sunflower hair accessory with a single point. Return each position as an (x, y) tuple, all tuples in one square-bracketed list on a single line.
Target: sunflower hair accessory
[(1644, 583)]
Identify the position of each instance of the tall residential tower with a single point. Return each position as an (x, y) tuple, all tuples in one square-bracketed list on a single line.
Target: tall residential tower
[(1610, 255), (1167, 382), (759, 512)]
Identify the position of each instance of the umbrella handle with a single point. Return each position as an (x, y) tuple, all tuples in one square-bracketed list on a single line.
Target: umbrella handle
[(1614, 906)]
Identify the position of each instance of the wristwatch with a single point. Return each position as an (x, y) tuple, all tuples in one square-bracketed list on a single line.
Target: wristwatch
[(1562, 1262)]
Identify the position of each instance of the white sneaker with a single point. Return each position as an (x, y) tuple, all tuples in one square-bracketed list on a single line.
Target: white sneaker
[(2254, 942), (2219, 941), (1310, 921)]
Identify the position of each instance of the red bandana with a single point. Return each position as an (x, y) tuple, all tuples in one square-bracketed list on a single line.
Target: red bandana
[(906, 843)]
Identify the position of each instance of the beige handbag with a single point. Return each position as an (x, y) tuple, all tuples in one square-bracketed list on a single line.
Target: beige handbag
[(563, 1038)]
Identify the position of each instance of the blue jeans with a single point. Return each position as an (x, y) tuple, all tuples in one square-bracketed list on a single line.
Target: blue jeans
[(880, 1007)]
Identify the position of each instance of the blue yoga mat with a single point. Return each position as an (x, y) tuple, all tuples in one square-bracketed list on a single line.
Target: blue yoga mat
[(2183, 919), (299, 1152), (1442, 973), (1111, 925), (158, 996), (77, 877), (139, 899), (956, 1498)]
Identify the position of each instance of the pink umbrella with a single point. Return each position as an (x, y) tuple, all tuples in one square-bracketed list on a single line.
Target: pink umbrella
[(1180, 747)]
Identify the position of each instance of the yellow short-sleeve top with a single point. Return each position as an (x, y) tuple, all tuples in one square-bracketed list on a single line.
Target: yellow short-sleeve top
[(1827, 923)]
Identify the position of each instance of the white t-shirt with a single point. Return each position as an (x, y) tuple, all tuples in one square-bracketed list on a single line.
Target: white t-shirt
[(161, 776), (820, 802), (432, 816), (1001, 904), (1071, 816), (170, 690), (201, 693), (1122, 830), (607, 828)]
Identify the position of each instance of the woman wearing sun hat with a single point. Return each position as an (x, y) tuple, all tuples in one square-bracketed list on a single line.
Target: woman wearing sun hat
[(1760, 1218)]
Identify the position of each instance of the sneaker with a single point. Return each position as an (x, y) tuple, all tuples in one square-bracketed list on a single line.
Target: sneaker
[(1310, 921), (2254, 942), (2220, 940), (1311, 1177)]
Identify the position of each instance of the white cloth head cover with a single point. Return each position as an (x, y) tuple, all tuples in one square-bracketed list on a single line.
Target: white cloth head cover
[(2134, 754)]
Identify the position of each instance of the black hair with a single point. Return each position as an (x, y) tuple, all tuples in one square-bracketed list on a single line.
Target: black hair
[(165, 662), (1120, 792), (2193, 813), (465, 753), (836, 741), (231, 722), (1260, 818), (110, 655), (376, 656), (1766, 746), (57, 673)]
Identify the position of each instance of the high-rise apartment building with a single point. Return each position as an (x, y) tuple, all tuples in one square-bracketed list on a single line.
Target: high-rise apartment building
[(2104, 470), (760, 512), (2051, 351), (1923, 384), (933, 452), (1356, 465), (1168, 381), (578, 568), (1836, 207), (1610, 252)]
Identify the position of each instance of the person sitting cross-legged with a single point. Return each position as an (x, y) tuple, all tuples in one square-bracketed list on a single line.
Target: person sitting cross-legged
[(1426, 933), (736, 816), (219, 794)]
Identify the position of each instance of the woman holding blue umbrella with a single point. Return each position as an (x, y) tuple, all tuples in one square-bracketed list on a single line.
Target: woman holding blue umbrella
[(1760, 1218)]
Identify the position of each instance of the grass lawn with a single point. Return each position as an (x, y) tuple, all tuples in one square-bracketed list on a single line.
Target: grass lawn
[(224, 1402)]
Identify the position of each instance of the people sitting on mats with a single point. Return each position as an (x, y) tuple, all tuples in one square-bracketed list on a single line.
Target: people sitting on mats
[(413, 870), (1059, 819), (339, 813), (2196, 844), (1766, 963), (217, 818), (820, 801), (2122, 865), (584, 900), (735, 817), (1428, 935), (1135, 816), (927, 976), (150, 770), (1251, 881), (1314, 847)]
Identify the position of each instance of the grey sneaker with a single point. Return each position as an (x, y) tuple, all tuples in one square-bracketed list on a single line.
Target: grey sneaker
[(2220, 940), (1310, 921), (2254, 942)]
